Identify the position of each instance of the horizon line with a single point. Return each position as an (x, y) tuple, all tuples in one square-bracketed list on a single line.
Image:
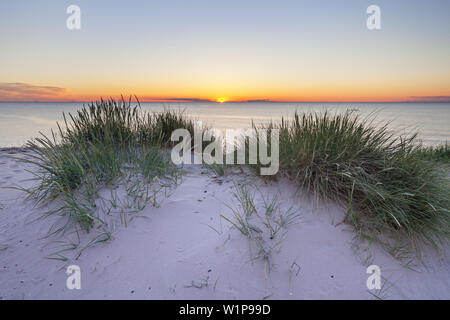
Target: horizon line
[(176, 100)]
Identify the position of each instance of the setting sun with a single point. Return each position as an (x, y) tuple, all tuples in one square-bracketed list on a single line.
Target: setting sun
[(221, 100)]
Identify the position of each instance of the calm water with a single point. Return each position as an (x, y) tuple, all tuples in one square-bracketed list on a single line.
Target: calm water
[(22, 121)]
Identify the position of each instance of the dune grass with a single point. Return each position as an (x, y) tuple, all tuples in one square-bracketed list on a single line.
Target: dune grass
[(439, 153), (262, 218), (395, 191), (107, 163), (118, 123)]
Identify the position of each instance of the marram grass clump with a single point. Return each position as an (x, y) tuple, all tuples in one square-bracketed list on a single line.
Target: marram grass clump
[(439, 153), (118, 123), (104, 166), (395, 191)]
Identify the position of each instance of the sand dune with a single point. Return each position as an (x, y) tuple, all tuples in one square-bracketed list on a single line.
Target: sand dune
[(185, 250)]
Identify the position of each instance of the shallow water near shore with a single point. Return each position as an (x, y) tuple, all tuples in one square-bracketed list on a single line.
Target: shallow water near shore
[(22, 121)]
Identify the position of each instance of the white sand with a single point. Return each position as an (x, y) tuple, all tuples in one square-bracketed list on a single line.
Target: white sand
[(175, 254)]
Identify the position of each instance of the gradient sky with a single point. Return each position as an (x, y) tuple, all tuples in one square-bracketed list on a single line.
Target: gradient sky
[(312, 50)]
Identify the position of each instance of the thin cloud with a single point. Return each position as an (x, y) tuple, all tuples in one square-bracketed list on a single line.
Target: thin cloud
[(16, 91)]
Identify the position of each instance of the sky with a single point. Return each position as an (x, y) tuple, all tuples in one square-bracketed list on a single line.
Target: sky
[(195, 50)]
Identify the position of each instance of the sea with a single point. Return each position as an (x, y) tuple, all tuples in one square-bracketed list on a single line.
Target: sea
[(22, 121)]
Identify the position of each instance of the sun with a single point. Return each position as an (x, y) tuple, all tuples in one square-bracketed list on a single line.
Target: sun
[(221, 100)]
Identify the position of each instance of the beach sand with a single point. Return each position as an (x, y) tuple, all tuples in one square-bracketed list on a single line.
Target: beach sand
[(185, 250)]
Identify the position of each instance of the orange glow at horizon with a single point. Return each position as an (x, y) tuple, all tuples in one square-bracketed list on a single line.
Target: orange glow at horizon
[(225, 92), (238, 98)]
